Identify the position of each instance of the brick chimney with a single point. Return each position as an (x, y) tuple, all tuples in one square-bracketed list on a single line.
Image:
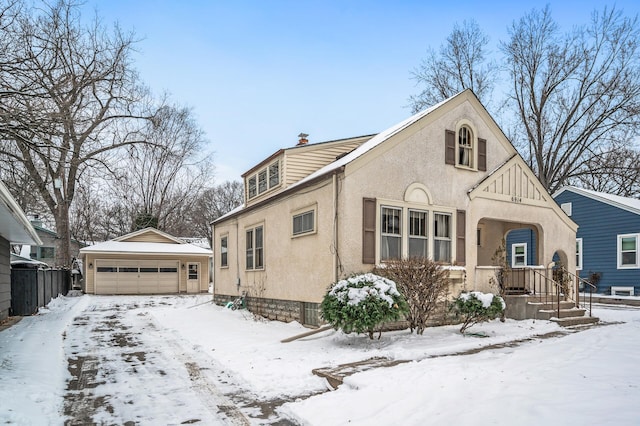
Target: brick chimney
[(303, 139)]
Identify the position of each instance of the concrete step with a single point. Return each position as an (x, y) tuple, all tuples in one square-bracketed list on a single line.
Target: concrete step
[(564, 313), (570, 321), (564, 304)]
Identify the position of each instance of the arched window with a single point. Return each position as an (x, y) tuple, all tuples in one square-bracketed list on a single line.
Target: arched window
[(465, 147)]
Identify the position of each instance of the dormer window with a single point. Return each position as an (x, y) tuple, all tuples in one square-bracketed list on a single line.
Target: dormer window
[(263, 180), (465, 147)]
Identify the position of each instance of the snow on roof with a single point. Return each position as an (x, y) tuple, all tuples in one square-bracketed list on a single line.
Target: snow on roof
[(359, 151), (371, 143), (626, 203), (144, 247)]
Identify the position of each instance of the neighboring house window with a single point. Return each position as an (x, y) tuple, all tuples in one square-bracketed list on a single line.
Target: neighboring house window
[(391, 238), (47, 252), (567, 207), (465, 147), (628, 251), (264, 179), (418, 241), (442, 237), (304, 223), (519, 255), (578, 253), (254, 252), (224, 241)]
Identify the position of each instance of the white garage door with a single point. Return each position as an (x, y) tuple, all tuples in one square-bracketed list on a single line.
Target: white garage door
[(136, 276)]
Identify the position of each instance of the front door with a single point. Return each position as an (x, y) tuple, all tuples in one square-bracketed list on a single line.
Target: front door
[(193, 277)]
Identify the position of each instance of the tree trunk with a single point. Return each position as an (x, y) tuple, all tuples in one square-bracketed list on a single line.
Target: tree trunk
[(63, 242)]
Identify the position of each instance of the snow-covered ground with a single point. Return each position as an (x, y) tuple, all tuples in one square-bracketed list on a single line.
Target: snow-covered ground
[(181, 359)]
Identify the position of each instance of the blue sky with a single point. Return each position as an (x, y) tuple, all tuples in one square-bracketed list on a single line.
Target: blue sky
[(258, 73)]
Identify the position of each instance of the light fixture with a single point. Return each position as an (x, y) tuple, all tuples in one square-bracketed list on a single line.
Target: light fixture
[(183, 266), (90, 265)]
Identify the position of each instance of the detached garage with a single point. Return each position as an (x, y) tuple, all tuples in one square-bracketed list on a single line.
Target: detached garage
[(147, 261)]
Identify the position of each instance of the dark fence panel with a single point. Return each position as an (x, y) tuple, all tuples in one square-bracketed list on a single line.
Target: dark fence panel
[(32, 288)]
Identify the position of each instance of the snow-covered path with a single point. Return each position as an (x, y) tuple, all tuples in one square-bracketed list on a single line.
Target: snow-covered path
[(152, 360)]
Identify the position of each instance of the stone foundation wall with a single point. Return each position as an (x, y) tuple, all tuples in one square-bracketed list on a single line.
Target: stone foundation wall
[(273, 309)]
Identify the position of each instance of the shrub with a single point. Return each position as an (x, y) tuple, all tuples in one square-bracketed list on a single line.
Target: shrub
[(362, 303), (477, 307), (422, 282)]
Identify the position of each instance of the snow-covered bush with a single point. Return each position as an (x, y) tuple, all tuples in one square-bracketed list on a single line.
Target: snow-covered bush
[(362, 303), (422, 282), (476, 307)]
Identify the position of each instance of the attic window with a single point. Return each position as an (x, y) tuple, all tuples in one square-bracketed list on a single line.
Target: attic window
[(465, 147), (263, 180)]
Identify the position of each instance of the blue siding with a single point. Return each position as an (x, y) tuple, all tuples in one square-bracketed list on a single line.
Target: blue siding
[(523, 235), (599, 226)]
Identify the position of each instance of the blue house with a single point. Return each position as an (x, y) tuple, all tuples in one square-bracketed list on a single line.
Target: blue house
[(607, 241)]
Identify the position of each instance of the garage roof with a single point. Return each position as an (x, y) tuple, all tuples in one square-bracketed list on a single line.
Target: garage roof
[(147, 241)]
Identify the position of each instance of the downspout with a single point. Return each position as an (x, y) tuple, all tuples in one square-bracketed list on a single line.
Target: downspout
[(237, 258), (335, 227)]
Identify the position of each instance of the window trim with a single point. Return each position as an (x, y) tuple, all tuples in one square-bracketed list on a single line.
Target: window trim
[(272, 179), (513, 255), (473, 148), (579, 249), (619, 252), (255, 249), (301, 212)]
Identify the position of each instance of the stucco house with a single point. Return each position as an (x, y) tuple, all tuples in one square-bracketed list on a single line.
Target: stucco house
[(445, 184), (14, 228), (147, 261)]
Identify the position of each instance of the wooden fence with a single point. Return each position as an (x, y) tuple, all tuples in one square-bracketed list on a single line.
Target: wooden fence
[(34, 288)]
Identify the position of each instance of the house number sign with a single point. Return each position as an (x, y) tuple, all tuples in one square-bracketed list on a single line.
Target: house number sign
[(516, 199)]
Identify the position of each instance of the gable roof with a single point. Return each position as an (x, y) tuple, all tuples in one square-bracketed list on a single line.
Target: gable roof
[(626, 203), (14, 225), (367, 146), (128, 243), (148, 231)]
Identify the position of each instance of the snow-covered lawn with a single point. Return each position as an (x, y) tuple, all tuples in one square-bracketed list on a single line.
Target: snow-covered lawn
[(175, 359)]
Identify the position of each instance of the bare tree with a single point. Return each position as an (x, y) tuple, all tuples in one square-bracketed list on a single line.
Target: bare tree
[(577, 94), (617, 173), (70, 96), (214, 203), (159, 179), (461, 63)]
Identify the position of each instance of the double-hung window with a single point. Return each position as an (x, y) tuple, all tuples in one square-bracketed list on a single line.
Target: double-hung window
[(628, 251), (254, 248), (442, 237), (465, 147), (391, 236), (224, 241), (418, 240), (518, 255)]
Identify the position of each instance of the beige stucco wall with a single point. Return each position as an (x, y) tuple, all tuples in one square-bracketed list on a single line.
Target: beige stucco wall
[(295, 268), (90, 258)]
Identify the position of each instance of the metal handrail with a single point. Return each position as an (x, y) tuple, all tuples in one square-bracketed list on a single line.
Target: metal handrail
[(586, 285), (541, 285)]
